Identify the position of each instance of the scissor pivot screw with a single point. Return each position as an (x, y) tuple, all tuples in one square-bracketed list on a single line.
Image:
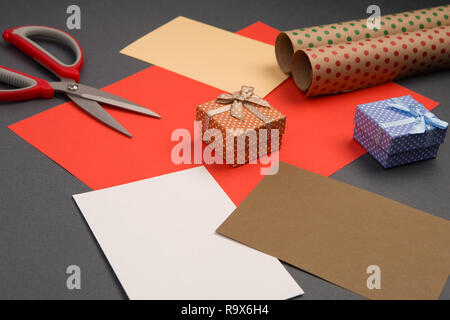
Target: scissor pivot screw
[(72, 87)]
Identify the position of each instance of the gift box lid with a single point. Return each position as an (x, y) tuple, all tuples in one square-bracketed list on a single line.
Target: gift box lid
[(400, 124), (241, 111)]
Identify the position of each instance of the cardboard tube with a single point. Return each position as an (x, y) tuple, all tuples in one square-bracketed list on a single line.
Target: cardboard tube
[(288, 42), (355, 65)]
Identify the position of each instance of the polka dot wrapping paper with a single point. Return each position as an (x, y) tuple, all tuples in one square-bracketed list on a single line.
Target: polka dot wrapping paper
[(394, 145), (358, 64), (248, 148), (289, 42)]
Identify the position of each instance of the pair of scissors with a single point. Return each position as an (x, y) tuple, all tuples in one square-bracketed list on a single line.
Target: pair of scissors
[(27, 87)]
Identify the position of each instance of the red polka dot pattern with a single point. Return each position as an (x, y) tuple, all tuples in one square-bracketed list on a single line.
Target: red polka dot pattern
[(357, 30), (344, 67)]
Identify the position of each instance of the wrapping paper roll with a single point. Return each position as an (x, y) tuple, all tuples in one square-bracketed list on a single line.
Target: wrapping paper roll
[(288, 42), (359, 64)]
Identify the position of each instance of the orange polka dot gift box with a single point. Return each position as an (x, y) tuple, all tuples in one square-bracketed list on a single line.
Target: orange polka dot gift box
[(398, 131), (240, 127)]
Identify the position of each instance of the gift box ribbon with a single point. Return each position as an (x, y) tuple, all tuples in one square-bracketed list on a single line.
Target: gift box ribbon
[(417, 114), (422, 118), (237, 101)]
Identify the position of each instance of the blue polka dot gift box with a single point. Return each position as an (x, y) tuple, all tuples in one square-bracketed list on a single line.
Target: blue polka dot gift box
[(398, 131)]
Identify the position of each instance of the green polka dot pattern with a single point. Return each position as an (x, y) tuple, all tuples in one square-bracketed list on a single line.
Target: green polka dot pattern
[(358, 64), (355, 30)]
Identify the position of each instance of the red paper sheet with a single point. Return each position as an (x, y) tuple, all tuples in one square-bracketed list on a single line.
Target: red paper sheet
[(318, 134)]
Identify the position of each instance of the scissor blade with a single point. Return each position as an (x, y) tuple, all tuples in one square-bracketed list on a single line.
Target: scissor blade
[(90, 93), (95, 110), (122, 103)]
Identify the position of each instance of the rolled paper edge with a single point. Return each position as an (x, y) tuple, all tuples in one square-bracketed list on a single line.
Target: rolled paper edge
[(284, 52), (302, 70)]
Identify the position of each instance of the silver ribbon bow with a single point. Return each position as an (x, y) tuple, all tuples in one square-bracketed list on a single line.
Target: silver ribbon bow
[(244, 98)]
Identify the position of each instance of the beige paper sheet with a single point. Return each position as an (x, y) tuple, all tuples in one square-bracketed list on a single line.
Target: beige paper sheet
[(336, 231), (210, 55)]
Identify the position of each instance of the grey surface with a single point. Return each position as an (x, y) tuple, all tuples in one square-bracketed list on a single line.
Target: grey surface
[(42, 231)]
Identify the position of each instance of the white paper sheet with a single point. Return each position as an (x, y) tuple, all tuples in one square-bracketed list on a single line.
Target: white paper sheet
[(159, 237)]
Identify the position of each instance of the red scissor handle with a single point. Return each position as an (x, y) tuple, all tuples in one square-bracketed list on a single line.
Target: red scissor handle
[(20, 37), (28, 87)]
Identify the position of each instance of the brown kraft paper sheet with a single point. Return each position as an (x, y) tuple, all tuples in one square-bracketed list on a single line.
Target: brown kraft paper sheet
[(359, 64), (289, 42), (336, 231)]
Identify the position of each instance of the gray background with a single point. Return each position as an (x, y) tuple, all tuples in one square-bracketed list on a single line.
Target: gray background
[(41, 230)]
